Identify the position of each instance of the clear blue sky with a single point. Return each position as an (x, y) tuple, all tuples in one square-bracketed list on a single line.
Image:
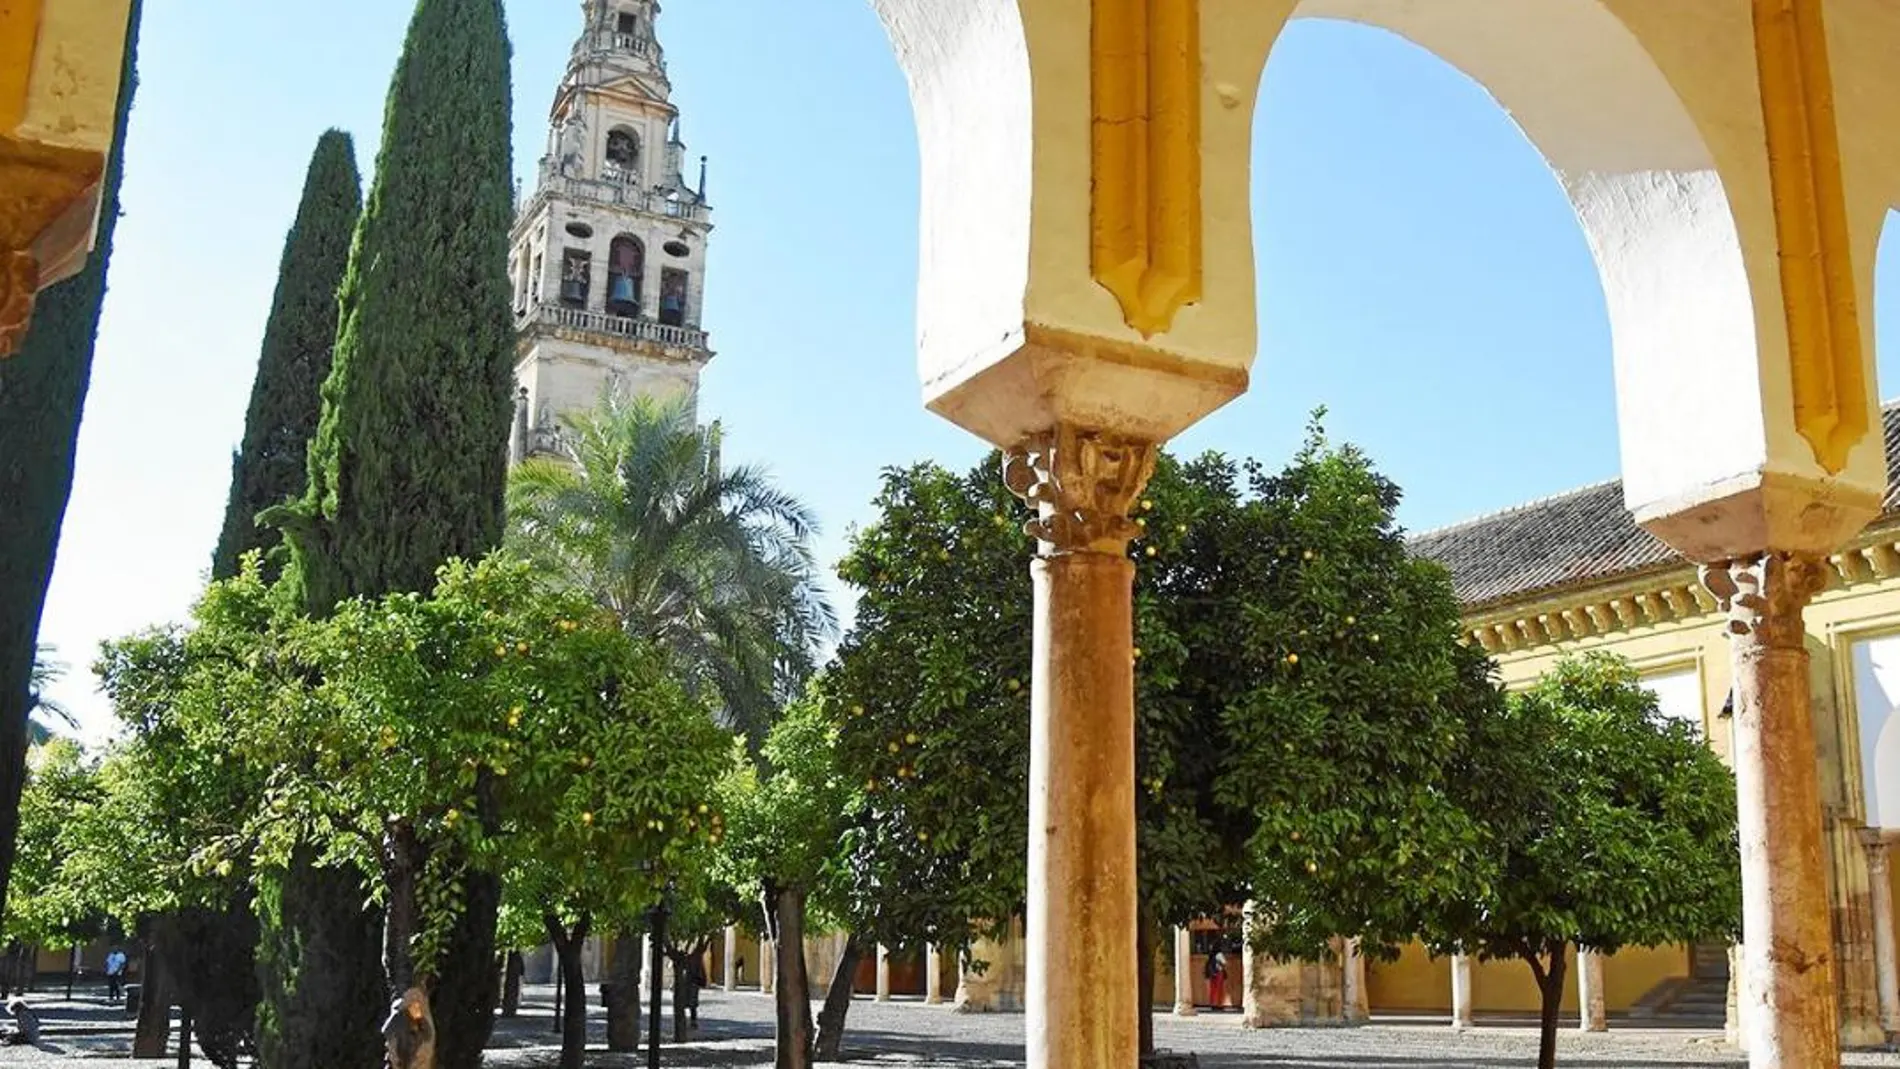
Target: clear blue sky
[(1420, 273)]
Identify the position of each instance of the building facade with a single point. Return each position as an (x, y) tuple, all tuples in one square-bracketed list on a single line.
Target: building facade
[(608, 257), (1573, 573)]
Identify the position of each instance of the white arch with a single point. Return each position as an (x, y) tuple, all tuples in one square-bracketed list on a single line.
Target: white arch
[(1651, 201)]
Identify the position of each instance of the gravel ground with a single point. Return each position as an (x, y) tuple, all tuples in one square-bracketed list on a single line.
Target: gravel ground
[(737, 1031)]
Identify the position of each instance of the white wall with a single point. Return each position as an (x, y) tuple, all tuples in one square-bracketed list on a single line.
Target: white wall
[(1678, 694), (1876, 694)]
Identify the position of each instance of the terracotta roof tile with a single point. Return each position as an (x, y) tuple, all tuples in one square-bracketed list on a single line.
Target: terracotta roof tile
[(1581, 537)]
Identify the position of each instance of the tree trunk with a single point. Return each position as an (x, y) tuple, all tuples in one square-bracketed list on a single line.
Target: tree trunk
[(838, 1001), (511, 971), (154, 1027), (462, 995), (1550, 984), (1145, 938), (623, 993), (785, 911), (184, 1041), (320, 970), (567, 953), (403, 858), (688, 968)]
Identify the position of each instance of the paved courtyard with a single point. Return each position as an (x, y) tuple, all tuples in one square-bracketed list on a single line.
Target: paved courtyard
[(737, 1032)]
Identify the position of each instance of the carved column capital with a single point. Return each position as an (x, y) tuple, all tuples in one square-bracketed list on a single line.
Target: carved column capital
[(1081, 484), (1878, 854), (1764, 595)]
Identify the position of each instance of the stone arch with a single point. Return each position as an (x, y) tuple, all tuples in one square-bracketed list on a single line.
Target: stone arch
[(1649, 193)]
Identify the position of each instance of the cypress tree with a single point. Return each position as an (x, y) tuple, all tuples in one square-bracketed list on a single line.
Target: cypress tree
[(42, 394), (299, 338), (410, 458), (408, 467)]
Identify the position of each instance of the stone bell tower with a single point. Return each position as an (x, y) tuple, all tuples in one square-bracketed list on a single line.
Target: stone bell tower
[(608, 255)]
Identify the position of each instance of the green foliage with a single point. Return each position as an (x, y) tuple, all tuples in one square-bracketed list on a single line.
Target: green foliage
[(299, 339), (1302, 702), (408, 465), (785, 827), (45, 909), (1349, 703), (930, 698), (1618, 828), (42, 394), (712, 564)]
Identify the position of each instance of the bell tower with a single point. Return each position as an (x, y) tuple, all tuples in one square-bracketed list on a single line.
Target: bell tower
[(609, 252)]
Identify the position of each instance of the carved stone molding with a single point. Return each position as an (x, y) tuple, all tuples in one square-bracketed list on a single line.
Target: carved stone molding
[(19, 277), (1082, 484), (1764, 595)]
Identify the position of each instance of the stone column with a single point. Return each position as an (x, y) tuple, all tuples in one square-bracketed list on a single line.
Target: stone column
[(933, 975), (1886, 953), (1081, 913), (1590, 1012), (883, 973), (1357, 1003), (1183, 973), (768, 966), (731, 958), (1461, 1017), (646, 963), (1788, 972)]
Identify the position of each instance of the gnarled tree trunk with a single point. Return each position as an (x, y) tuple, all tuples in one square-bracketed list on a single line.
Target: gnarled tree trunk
[(837, 1006), (567, 955), (154, 1027), (623, 993), (511, 969), (785, 914), (1550, 984)]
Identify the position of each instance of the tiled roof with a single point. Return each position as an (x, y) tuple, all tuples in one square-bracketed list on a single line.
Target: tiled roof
[(1584, 536)]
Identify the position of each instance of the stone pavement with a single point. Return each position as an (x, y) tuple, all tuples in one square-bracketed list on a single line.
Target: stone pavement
[(737, 1032)]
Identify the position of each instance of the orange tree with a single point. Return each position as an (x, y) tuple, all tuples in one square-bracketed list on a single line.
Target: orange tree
[(1302, 702), (1348, 707), (1610, 825)]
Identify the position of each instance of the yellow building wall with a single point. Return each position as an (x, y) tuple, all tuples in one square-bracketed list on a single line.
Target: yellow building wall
[(1417, 982)]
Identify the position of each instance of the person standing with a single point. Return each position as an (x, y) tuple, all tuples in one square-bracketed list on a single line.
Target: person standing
[(1215, 972), (115, 974)]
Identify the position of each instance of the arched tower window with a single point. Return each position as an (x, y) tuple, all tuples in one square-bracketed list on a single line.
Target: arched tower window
[(576, 266), (673, 297), (626, 266), (623, 156)]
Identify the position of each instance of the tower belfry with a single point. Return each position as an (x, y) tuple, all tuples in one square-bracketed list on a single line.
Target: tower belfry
[(609, 252)]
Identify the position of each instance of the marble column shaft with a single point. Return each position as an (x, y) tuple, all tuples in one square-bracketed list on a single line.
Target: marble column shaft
[(1081, 914), (1886, 944), (1788, 969), (1461, 1016), (1591, 1014), (1183, 973)]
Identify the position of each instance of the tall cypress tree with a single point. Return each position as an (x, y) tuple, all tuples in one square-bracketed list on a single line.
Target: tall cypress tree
[(42, 393), (299, 338), (408, 465)]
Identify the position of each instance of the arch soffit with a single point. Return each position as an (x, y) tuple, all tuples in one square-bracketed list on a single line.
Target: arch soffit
[(1652, 127)]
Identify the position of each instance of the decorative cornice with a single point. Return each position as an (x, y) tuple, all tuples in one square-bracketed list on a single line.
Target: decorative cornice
[(1081, 484), (1673, 595)]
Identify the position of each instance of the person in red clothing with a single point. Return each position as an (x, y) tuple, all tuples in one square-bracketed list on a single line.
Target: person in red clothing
[(1216, 973)]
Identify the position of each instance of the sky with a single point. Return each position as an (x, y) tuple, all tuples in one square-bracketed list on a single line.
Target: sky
[(1420, 273)]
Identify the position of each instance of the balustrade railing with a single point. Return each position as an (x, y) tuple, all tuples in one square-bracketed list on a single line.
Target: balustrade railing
[(604, 191), (582, 319)]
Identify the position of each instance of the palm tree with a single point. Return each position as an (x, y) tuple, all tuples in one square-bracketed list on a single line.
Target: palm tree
[(713, 564), (46, 672)]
